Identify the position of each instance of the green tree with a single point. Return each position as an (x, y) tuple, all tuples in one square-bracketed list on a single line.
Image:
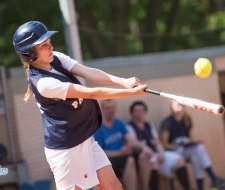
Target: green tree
[(120, 27), (110, 28), (13, 13)]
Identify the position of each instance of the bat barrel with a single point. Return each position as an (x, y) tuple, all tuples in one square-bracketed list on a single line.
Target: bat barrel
[(191, 102), (221, 110)]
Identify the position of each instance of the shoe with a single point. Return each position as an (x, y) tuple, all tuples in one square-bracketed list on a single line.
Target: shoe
[(219, 183)]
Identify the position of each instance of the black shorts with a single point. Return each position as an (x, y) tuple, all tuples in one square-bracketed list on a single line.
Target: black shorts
[(118, 163)]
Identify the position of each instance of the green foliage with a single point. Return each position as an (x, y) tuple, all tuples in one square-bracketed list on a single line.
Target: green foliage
[(14, 13), (120, 28), (196, 24)]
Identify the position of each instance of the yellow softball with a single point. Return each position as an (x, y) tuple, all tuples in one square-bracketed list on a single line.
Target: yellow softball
[(203, 67)]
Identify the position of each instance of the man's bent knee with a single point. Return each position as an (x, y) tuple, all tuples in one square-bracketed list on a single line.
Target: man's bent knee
[(130, 161), (180, 162), (155, 165)]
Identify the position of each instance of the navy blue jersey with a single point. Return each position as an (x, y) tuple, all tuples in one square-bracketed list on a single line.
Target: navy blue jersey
[(178, 131), (69, 122), (145, 134)]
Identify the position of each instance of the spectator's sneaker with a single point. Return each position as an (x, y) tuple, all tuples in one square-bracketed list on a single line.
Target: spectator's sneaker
[(219, 183)]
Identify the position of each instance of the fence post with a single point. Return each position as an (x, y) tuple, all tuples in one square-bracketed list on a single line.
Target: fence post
[(7, 106)]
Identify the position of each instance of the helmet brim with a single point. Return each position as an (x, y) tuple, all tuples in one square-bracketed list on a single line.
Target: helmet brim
[(44, 37)]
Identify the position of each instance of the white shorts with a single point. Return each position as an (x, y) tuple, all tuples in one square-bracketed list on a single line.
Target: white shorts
[(77, 165), (168, 167)]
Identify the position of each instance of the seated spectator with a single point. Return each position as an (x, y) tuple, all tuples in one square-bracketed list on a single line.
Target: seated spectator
[(121, 149), (163, 162), (3, 153), (176, 133)]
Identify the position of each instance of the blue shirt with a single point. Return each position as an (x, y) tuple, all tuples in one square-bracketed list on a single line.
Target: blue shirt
[(111, 138)]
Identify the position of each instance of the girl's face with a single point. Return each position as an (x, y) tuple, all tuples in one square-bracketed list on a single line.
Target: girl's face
[(44, 51), (178, 110)]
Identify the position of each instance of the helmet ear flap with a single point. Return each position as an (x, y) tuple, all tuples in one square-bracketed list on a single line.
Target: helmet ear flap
[(29, 56)]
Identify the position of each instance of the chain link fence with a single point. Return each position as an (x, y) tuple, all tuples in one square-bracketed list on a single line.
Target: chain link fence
[(23, 165)]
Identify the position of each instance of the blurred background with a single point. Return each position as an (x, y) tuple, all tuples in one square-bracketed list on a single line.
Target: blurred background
[(156, 41)]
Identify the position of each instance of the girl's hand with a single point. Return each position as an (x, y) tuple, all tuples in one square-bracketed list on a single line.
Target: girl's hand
[(139, 90), (131, 82), (161, 158)]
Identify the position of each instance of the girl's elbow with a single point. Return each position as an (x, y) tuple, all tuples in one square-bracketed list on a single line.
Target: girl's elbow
[(89, 94)]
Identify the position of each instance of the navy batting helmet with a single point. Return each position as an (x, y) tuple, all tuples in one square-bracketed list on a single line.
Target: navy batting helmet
[(27, 36)]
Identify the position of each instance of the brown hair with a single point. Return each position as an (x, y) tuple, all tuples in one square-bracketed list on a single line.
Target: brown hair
[(29, 90), (186, 120), (138, 103), (186, 117)]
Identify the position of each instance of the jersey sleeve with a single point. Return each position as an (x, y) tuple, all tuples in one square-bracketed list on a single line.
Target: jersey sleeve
[(165, 125), (131, 131), (123, 128), (52, 88), (154, 131), (66, 62)]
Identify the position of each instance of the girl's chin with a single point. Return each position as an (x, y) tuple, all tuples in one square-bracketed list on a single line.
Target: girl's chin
[(51, 58)]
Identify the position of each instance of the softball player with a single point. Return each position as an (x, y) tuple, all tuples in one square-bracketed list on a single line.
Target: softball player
[(70, 113), (167, 163), (177, 131)]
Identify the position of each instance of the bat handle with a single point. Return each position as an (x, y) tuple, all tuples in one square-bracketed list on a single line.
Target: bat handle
[(152, 91)]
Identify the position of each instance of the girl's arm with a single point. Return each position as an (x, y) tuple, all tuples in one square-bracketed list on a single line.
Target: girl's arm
[(191, 134), (101, 77), (165, 140), (100, 93)]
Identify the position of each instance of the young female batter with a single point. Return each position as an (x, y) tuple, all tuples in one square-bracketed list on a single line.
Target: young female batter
[(70, 112)]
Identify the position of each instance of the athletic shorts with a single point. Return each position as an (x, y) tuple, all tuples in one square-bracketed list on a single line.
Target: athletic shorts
[(167, 168), (119, 163), (77, 165)]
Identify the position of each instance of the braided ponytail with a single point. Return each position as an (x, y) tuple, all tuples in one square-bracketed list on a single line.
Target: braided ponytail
[(29, 90)]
